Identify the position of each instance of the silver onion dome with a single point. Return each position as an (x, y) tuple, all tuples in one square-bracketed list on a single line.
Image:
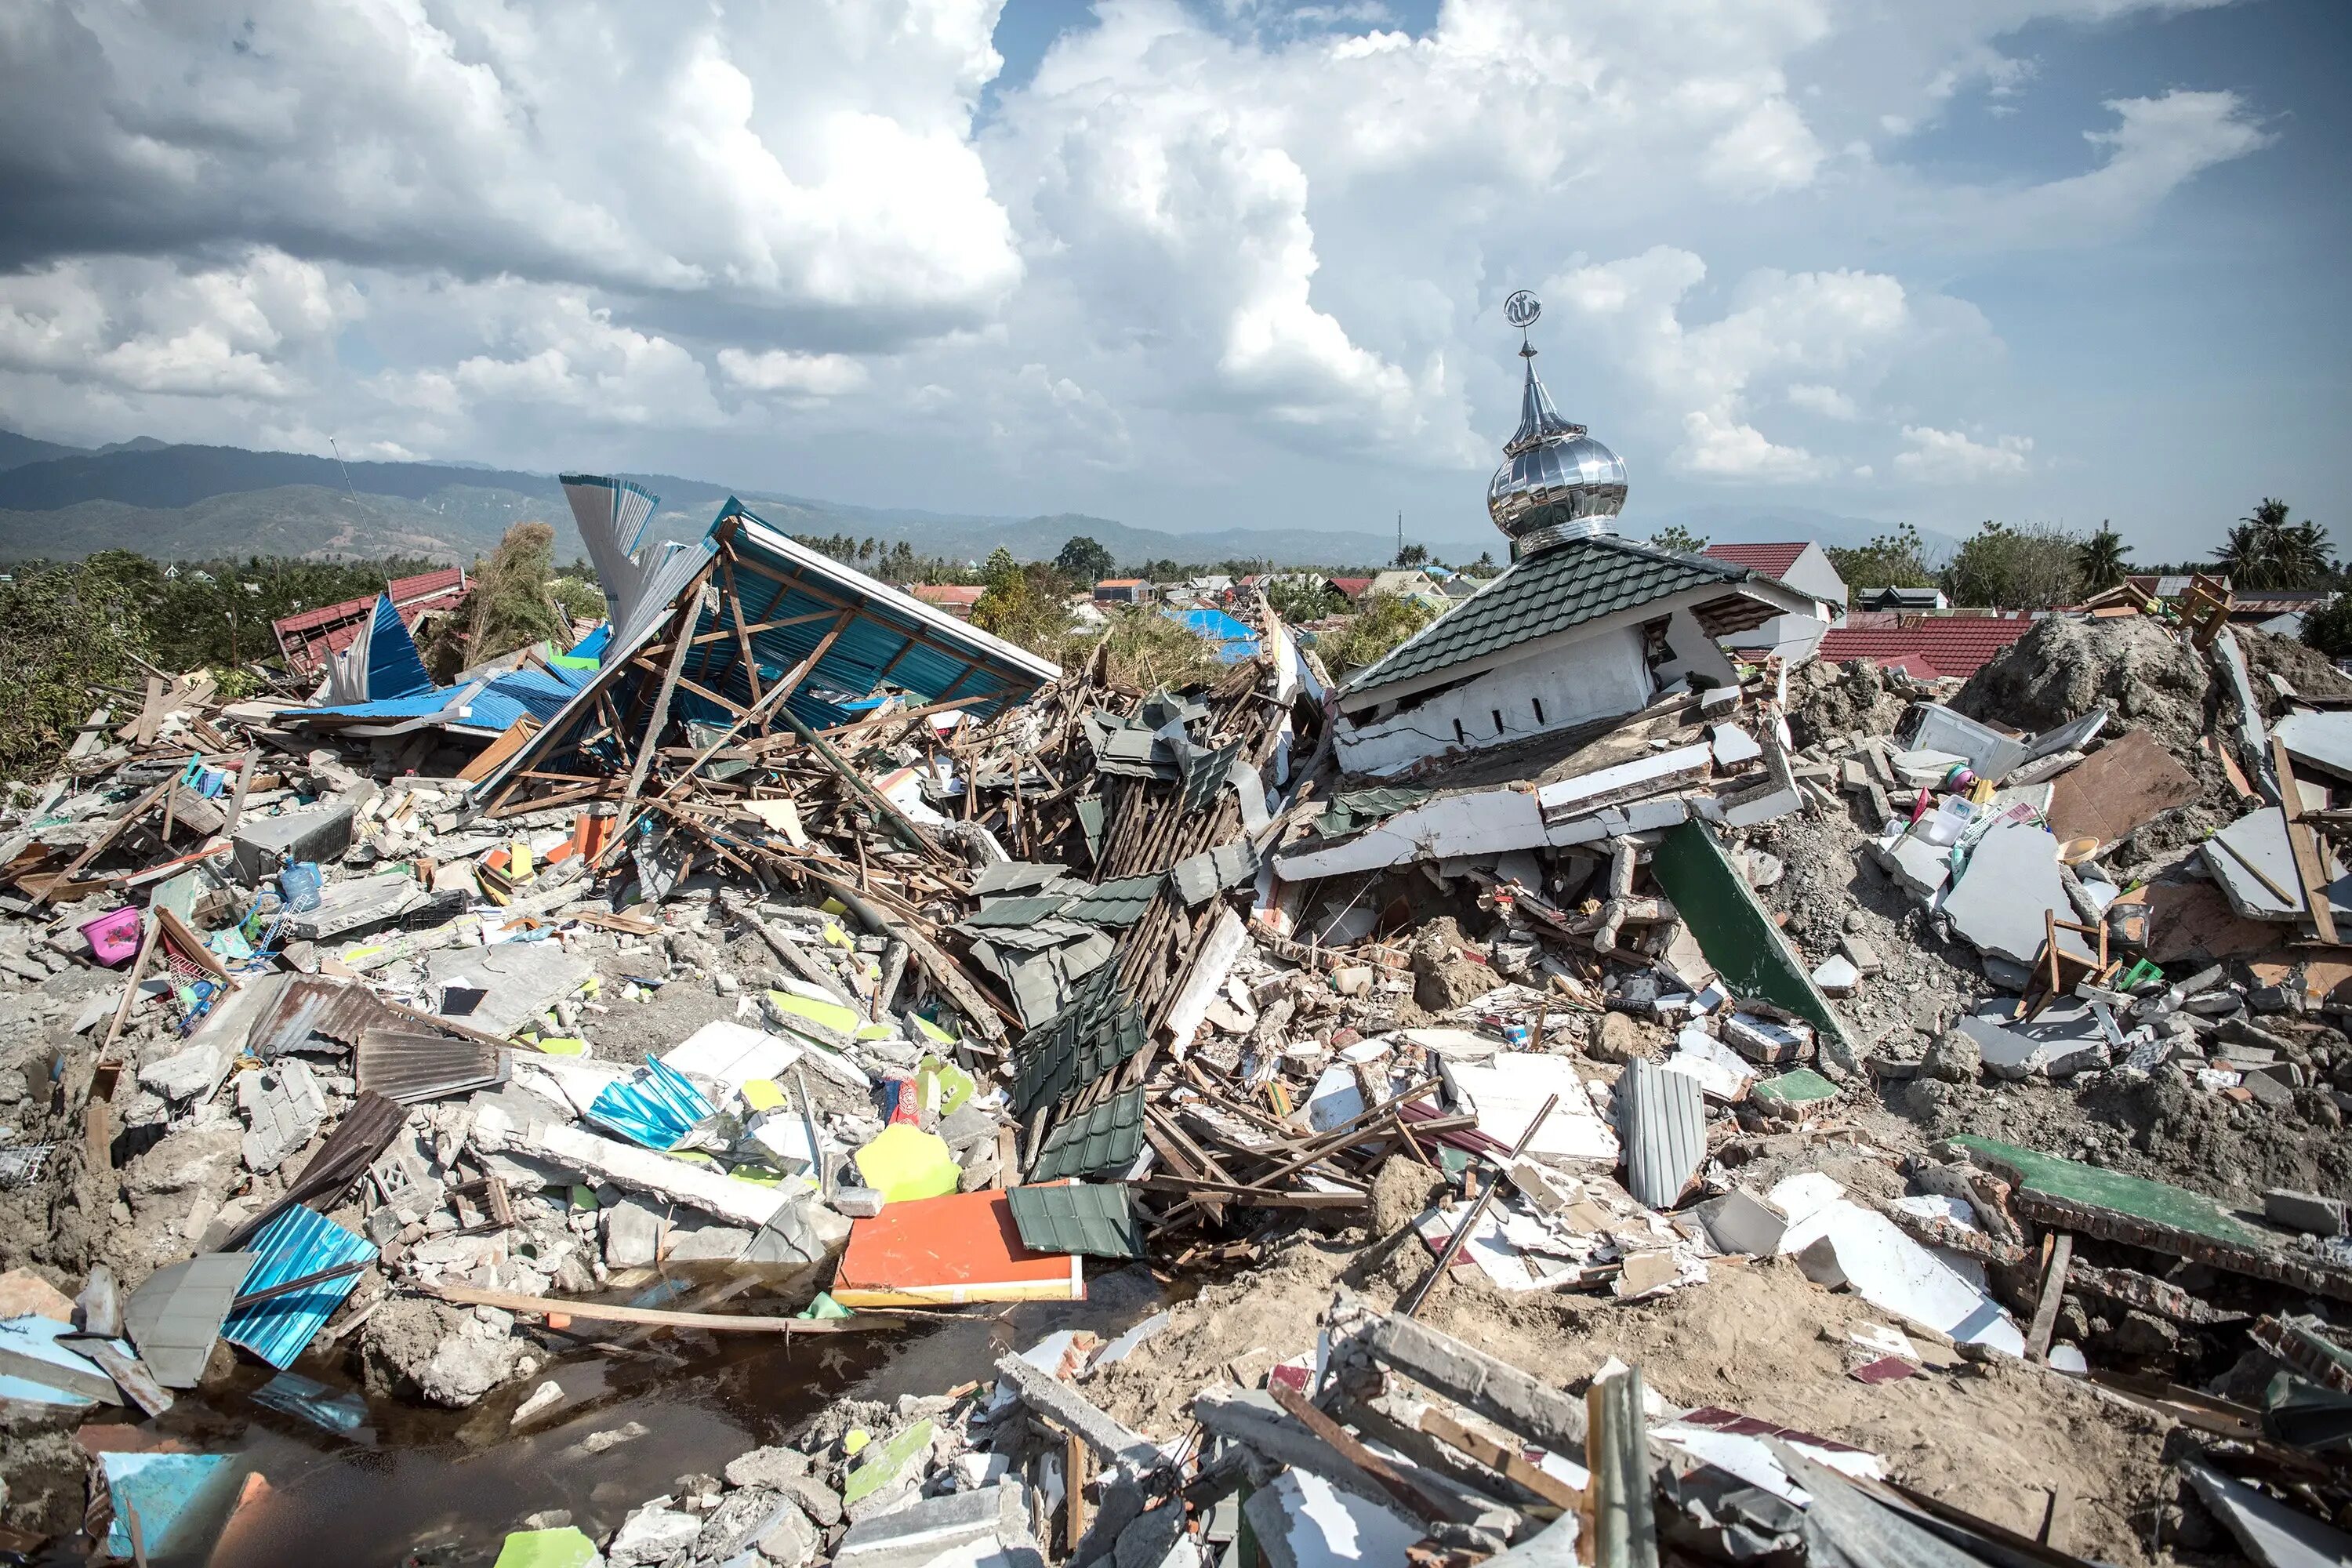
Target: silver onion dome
[(1557, 483)]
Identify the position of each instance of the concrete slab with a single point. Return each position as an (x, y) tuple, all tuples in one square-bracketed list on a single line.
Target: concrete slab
[(1918, 864), (2305, 1211), (2255, 843), (520, 980), (2323, 740), (1837, 976), (969, 1523), (362, 901), (2010, 882)]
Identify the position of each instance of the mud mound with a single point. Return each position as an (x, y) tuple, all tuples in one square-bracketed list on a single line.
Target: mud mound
[(2304, 669), (2062, 669), (1830, 700)]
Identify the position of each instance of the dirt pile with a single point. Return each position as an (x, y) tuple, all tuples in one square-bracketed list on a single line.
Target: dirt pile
[(2062, 669)]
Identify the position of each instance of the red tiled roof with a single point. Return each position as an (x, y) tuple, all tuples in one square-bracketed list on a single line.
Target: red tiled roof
[(1352, 586), (309, 635), (946, 593), (1772, 560), (1949, 645)]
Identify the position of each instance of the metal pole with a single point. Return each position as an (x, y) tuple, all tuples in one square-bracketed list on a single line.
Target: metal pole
[(1410, 1305)]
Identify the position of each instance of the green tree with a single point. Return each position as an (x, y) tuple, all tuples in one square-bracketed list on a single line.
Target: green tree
[(70, 628), (1382, 621), (1084, 561), (1412, 556), (1678, 539), (2034, 566), (1896, 559), (2266, 551), (1311, 600), (508, 607), (1026, 604), (2330, 630), (2101, 559)]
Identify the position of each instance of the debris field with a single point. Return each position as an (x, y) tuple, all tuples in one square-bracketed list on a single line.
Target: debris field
[(1799, 1113)]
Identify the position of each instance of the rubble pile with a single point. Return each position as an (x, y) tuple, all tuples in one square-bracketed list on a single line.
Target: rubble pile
[(1819, 1113)]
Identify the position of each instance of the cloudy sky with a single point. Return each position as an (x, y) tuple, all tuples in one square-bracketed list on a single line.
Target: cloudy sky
[(1212, 264)]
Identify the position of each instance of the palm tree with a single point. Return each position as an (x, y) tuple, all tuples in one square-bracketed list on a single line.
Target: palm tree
[(2101, 558), (2266, 551)]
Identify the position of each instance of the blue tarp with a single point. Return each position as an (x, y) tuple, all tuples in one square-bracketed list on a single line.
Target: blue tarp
[(299, 1243), (1235, 642), (490, 705)]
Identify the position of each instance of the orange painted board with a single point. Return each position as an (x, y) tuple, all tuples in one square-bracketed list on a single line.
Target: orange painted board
[(946, 1250)]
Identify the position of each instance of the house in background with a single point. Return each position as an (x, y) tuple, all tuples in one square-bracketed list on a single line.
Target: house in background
[(1350, 588), (1896, 599), (1125, 591), (309, 637), (1418, 586), (956, 598), (1925, 646), (1804, 565)]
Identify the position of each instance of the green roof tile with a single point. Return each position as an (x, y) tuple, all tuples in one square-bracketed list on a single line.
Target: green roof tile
[(1098, 1221), (1106, 1138), (1118, 903), (1565, 587)]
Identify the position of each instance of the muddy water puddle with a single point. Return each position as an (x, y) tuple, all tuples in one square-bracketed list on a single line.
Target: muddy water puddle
[(362, 1482)]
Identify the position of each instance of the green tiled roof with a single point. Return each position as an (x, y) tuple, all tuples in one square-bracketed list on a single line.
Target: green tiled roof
[(1106, 1138), (1567, 585), (1118, 903), (1100, 1221)]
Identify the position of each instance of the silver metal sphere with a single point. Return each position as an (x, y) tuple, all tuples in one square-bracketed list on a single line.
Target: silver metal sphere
[(1555, 482)]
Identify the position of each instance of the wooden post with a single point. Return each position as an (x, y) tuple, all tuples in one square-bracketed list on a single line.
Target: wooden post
[(2310, 864), (2054, 1286)]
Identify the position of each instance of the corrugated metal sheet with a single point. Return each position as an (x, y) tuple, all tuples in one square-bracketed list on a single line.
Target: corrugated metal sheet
[(175, 1315), (892, 635), (315, 1004), (1097, 1220), (410, 1065), (1106, 1138), (294, 1246), (358, 1140), (657, 1109), (1662, 1123)]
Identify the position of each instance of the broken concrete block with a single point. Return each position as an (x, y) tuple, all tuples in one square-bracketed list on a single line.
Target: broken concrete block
[(707, 1244), (885, 1472), (1739, 1221), (2001, 1053), (359, 903), (2307, 1212), (194, 1071), (632, 1235), (1837, 976), (768, 1468), (1918, 865), (283, 1106), (652, 1534), (1860, 954), (265, 843), (973, 1524)]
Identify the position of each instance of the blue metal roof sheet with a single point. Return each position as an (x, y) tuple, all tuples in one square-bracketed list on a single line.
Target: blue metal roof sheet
[(1235, 640), (299, 1243), (891, 636)]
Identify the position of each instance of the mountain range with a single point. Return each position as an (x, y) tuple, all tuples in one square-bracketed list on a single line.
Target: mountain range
[(194, 502)]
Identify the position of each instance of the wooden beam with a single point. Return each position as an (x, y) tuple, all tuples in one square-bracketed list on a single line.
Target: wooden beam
[(2310, 864), (2054, 1286), (802, 586), (689, 605)]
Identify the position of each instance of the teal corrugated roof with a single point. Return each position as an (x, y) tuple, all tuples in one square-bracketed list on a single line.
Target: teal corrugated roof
[(1565, 587)]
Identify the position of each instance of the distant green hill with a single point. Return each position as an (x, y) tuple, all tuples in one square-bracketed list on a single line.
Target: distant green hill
[(210, 502)]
